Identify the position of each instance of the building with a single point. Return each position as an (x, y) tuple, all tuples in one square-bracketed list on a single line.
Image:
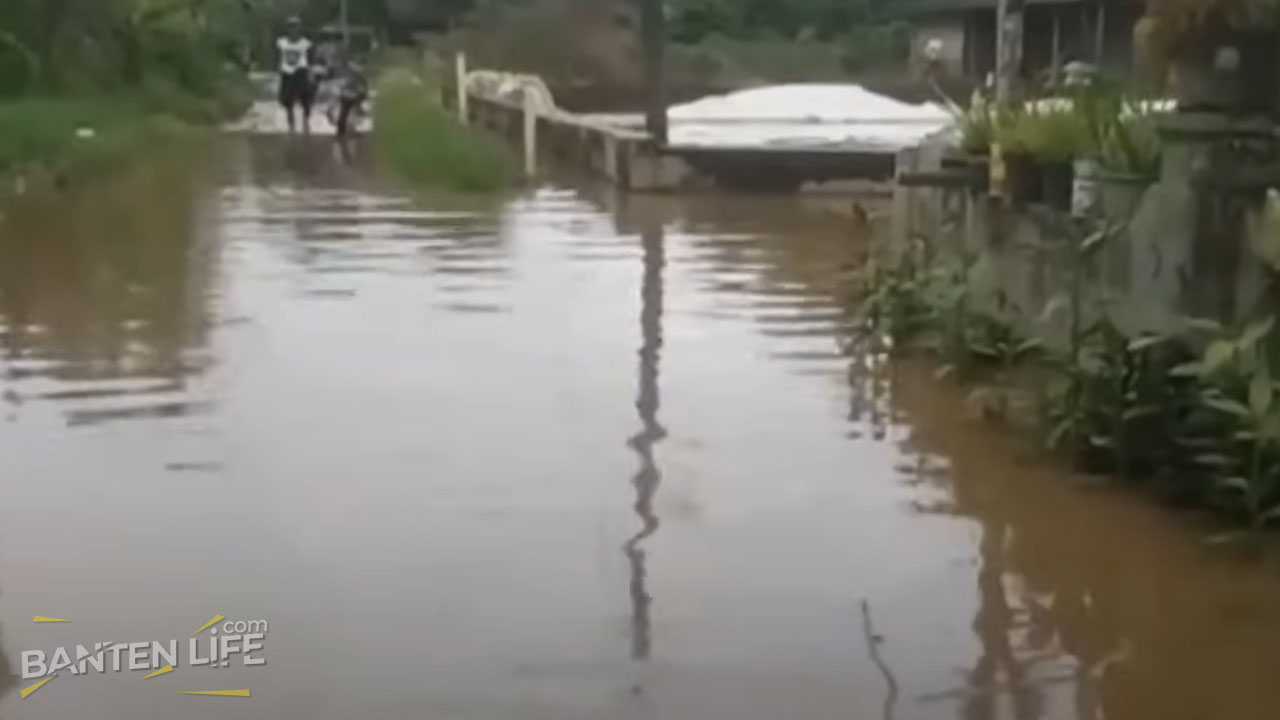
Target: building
[(962, 35)]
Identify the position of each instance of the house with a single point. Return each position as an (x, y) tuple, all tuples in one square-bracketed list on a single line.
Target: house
[(961, 35)]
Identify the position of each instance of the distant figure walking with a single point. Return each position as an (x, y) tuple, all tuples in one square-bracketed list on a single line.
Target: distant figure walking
[(296, 87), (353, 90)]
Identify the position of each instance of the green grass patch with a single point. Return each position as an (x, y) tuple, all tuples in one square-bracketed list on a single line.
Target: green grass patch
[(74, 137), (423, 143)]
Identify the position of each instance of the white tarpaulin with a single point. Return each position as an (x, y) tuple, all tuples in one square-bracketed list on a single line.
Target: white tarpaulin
[(805, 116)]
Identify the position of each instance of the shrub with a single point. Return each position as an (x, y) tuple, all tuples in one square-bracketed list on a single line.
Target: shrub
[(419, 140)]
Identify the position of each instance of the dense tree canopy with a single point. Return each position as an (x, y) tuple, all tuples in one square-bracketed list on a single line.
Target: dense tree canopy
[(694, 20), (691, 20), (83, 44), (76, 44)]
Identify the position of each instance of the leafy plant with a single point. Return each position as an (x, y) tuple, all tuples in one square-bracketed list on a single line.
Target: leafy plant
[(1052, 131), (992, 340), (1131, 144), (975, 124), (894, 303), (1119, 132), (1235, 375), (1078, 368)]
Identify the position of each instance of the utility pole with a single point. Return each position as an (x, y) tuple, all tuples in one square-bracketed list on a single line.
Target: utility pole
[(346, 27), (1009, 24), (1009, 18), (653, 32)]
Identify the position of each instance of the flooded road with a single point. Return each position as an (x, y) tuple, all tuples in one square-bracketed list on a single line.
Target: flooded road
[(562, 456)]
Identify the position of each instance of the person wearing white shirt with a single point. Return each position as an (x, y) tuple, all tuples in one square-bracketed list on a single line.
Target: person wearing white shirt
[(296, 89)]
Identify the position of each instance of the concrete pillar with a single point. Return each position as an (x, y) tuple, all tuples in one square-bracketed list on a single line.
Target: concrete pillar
[(460, 75), (1193, 236)]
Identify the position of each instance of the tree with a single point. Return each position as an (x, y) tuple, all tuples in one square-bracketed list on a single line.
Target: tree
[(89, 44), (694, 20)]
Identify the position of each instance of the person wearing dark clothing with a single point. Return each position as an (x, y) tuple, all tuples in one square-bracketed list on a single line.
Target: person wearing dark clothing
[(352, 92)]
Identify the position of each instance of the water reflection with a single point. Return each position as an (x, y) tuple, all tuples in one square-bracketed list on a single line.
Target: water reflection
[(444, 356), (102, 297), (1091, 605), (1080, 604), (649, 476), (999, 671)]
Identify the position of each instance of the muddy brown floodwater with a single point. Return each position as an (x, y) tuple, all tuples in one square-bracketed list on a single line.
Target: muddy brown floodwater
[(563, 456)]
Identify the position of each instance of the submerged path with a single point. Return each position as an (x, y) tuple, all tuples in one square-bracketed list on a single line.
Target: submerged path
[(562, 456)]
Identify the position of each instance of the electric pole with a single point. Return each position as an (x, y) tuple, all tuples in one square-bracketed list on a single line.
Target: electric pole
[(1009, 24), (653, 33), (346, 27), (1009, 18)]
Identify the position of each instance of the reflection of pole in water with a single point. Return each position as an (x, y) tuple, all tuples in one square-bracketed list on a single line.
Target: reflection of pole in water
[(648, 477), (999, 667)]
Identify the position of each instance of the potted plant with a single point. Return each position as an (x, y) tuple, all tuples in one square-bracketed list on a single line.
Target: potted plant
[(1128, 157), (976, 131), (1050, 132), (1222, 54), (1021, 182)]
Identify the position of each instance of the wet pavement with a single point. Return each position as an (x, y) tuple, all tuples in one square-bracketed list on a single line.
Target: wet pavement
[(561, 455)]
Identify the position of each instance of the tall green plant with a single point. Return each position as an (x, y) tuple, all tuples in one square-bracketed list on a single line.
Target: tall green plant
[(1235, 377)]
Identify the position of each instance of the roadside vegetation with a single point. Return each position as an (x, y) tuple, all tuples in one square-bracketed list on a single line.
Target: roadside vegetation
[(424, 144), (714, 44), (793, 40), (92, 80), (1192, 413)]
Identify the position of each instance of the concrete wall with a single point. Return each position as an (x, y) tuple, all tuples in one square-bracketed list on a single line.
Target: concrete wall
[(629, 160), (632, 161), (1181, 250)]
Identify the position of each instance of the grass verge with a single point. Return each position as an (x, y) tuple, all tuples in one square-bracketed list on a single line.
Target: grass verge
[(71, 137), (421, 142), (64, 136)]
